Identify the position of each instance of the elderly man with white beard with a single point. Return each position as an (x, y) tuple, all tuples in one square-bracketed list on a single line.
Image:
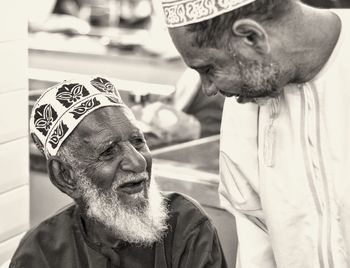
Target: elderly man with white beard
[(97, 155)]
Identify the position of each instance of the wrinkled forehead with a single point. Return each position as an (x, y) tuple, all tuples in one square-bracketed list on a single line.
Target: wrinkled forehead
[(107, 121)]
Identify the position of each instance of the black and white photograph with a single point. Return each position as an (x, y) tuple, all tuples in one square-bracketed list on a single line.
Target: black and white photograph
[(175, 134)]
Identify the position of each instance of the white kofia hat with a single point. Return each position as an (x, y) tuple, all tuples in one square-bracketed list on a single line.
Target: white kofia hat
[(184, 12), (62, 107)]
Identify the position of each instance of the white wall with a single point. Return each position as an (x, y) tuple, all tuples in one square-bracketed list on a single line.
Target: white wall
[(14, 155)]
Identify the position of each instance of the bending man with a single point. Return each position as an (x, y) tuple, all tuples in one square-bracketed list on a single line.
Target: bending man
[(284, 161)]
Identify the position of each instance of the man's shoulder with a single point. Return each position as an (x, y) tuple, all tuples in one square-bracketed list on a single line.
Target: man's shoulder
[(47, 234), (188, 223), (61, 221), (185, 208)]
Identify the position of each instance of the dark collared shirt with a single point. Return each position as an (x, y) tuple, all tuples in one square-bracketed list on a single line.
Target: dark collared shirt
[(61, 242)]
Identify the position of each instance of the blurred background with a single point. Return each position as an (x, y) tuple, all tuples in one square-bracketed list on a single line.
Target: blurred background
[(43, 42)]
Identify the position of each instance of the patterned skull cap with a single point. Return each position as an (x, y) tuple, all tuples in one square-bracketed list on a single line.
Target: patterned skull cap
[(62, 107), (184, 12)]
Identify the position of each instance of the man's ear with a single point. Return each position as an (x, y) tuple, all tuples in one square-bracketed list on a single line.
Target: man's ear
[(253, 34), (61, 175)]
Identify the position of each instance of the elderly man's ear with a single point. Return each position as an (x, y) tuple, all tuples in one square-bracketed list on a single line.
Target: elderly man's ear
[(251, 35), (62, 176)]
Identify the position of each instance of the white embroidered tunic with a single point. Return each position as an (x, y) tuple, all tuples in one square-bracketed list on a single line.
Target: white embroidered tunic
[(285, 170)]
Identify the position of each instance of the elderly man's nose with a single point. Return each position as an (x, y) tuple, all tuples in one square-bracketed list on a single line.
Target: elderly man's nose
[(133, 161)]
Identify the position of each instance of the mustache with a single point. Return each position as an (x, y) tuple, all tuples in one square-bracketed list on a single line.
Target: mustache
[(129, 177)]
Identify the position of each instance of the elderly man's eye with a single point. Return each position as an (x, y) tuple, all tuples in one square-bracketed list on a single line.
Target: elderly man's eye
[(138, 143), (107, 153)]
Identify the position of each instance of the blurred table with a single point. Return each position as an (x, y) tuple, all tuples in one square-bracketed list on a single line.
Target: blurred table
[(110, 51)]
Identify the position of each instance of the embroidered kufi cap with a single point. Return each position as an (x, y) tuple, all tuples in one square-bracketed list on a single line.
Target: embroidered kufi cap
[(184, 12), (62, 107)]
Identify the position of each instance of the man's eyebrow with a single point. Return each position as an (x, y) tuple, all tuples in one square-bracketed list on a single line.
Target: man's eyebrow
[(102, 146)]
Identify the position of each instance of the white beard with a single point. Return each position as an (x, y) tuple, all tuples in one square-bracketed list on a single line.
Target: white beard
[(142, 224)]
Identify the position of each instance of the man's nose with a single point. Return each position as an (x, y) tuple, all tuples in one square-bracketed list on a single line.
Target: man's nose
[(133, 160), (208, 87)]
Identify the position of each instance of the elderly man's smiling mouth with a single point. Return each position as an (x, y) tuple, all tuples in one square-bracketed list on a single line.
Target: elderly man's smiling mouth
[(133, 187)]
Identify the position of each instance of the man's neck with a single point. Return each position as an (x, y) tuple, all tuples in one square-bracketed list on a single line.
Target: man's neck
[(320, 35)]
